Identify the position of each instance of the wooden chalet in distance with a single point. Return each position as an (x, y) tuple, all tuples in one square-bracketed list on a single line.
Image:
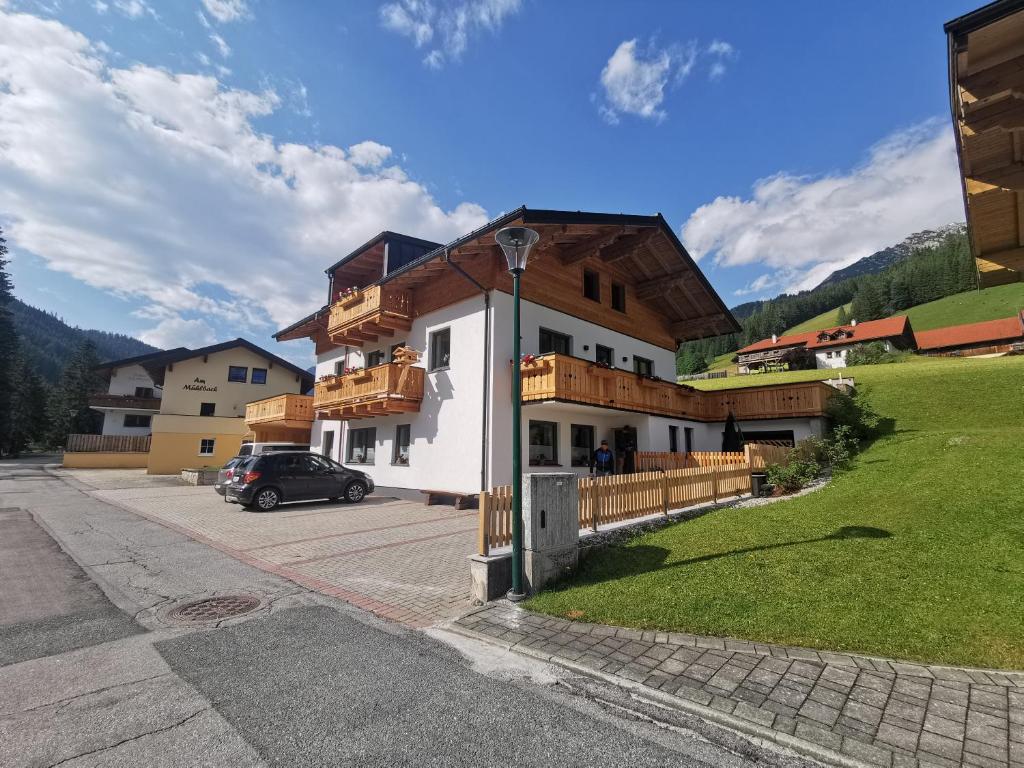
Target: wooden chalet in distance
[(414, 353)]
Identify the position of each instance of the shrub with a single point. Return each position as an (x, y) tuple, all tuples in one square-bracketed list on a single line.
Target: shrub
[(873, 353), (793, 476), (844, 410)]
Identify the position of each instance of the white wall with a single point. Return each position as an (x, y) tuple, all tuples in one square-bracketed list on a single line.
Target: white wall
[(123, 381), (113, 423), (445, 439)]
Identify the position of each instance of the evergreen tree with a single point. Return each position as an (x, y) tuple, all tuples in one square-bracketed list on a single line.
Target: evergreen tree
[(8, 350), (841, 317), (29, 421), (868, 303), (899, 293), (69, 410)]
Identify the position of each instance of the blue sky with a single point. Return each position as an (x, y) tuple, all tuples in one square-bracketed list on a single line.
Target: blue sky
[(184, 171)]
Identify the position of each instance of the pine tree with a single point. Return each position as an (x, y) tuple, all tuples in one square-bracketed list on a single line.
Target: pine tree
[(69, 410), (899, 293), (8, 351), (29, 416), (842, 318)]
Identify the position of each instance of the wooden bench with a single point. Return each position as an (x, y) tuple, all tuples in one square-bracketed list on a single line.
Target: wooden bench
[(458, 499)]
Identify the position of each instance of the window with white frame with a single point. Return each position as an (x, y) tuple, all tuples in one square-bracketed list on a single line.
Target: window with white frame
[(582, 444), (400, 454), (543, 443), (440, 349), (361, 445), (206, 446)]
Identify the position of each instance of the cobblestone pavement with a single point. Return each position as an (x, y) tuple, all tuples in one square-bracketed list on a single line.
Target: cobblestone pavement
[(399, 559), (876, 711)]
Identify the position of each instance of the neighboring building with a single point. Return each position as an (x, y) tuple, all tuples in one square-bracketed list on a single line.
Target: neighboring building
[(986, 56), (988, 338), (824, 349), (414, 354), (191, 401)]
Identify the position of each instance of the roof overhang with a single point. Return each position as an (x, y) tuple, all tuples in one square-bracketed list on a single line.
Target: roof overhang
[(986, 80)]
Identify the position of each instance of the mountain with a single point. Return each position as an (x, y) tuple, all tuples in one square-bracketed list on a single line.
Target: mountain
[(49, 342), (885, 258)]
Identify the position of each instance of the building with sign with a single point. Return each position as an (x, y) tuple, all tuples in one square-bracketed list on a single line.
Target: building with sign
[(190, 402)]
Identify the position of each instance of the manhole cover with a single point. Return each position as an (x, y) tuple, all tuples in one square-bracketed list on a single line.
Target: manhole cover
[(214, 608)]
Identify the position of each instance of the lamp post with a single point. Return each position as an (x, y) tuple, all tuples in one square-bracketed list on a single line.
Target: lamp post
[(516, 243)]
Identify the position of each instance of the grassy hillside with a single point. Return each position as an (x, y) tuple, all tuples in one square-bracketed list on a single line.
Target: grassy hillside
[(913, 553), (969, 307), (827, 319)]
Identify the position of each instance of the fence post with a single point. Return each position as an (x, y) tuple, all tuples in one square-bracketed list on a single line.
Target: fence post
[(664, 493), (485, 524), (595, 504), (714, 482)]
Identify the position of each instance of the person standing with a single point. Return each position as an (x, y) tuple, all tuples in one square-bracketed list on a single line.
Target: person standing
[(603, 462)]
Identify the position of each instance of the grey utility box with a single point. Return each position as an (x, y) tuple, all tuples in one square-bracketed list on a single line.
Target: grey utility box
[(551, 527)]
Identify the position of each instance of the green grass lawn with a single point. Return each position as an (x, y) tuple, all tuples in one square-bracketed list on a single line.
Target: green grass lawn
[(969, 307), (723, 362), (828, 319), (916, 552)]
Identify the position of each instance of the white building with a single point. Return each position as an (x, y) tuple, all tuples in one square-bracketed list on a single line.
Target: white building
[(606, 299)]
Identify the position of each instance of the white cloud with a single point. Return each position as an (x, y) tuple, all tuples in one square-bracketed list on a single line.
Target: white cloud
[(719, 51), (99, 6), (178, 332), (806, 227), (227, 10), (222, 47), (451, 23), (634, 81), (133, 9), (758, 285), (156, 185)]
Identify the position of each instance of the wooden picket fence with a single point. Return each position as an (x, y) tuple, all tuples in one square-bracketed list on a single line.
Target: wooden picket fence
[(653, 461), (618, 498), (759, 456), (107, 443)]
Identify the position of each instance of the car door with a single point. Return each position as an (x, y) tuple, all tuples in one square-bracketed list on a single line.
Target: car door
[(325, 483), (293, 475)]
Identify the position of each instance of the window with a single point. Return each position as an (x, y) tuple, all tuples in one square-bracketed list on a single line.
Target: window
[(143, 391), (137, 420), (543, 443), (361, 444), (643, 366), (440, 349), (207, 409), (327, 449), (688, 439), (395, 348), (582, 446), (259, 376), (604, 355), (339, 367), (374, 358), (238, 373), (591, 285), (618, 297), (552, 341), (206, 446), (400, 454), (673, 438)]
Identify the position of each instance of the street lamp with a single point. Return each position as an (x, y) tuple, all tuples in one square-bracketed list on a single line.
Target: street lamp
[(516, 243)]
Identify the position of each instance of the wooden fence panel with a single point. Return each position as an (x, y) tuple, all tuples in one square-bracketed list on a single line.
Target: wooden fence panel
[(760, 456), (495, 519), (107, 443)]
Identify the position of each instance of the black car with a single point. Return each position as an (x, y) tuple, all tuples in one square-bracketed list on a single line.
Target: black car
[(263, 482)]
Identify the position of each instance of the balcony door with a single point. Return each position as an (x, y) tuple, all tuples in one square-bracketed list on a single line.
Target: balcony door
[(552, 341)]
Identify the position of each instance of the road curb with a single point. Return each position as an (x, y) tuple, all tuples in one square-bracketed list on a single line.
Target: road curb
[(745, 727)]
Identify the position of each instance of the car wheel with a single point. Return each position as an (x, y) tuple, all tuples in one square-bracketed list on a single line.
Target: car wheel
[(266, 499), (355, 492)]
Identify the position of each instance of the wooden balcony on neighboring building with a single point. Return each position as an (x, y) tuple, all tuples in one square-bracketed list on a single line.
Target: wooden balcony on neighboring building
[(289, 410), (378, 391), (367, 314), (568, 379)]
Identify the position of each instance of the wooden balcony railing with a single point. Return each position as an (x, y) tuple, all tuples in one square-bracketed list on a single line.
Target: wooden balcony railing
[(289, 410), (367, 314), (128, 402), (107, 443), (569, 379), (378, 391)]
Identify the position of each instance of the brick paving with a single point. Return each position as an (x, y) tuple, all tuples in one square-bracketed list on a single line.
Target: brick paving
[(876, 711), (400, 559)]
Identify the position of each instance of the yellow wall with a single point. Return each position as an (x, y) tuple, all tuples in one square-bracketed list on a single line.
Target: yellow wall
[(189, 383), (176, 441), (105, 460)]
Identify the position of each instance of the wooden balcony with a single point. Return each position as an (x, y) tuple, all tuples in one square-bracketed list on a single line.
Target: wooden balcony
[(290, 410), (378, 391), (367, 314), (569, 379)]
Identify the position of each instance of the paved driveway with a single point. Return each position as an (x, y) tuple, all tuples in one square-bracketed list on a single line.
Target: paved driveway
[(400, 559)]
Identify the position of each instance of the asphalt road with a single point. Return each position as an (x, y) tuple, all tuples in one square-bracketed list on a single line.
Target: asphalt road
[(306, 681)]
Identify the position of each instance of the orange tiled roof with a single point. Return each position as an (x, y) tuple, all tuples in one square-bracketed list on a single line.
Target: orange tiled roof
[(990, 331), (871, 330)]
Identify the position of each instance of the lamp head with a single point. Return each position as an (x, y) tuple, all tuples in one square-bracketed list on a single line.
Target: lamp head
[(516, 243)]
